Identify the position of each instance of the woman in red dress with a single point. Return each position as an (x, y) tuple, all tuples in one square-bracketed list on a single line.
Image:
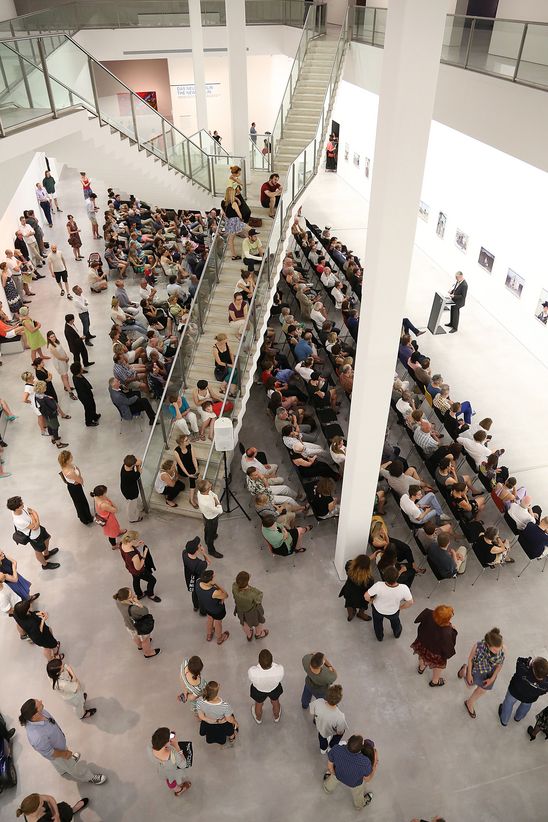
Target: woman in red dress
[(106, 511)]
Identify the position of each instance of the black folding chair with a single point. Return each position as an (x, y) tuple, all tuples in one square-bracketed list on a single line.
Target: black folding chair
[(439, 578)]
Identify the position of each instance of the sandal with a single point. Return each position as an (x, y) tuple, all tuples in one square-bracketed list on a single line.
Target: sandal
[(472, 714), (421, 670), (461, 671), (184, 787), (182, 697), (194, 504), (262, 636), (223, 638), (437, 684), (300, 550)]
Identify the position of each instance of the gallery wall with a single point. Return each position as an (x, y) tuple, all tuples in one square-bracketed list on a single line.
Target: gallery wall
[(144, 75), (493, 201)]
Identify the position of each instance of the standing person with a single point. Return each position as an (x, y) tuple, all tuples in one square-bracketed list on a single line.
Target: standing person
[(60, 361), (170, 759), (248, 606), (435, 642), (139, 564), (49, 409), (130, 473), (541, 724), (91, 208), (33, 336), (484, 664), (10, 576), (530, 681), (28, 529), (187, 465), (72, 477), (27, 243), (234, 222), (193, 681), (8, 601), (67, 683), (86, 185), (139, 623), (348, 765), (359, 578), (81, 305), (40, 807), (49, 184), (30, 217), (320, 674), (253, 133), (195, 562), (33, 624), (74, 239), (266, 683), (328, 719), (217, 720), (458, 296), (84, 392), (44, 201), (106, 511), (58, 269), (10, 278), (211, 599), (211, 509), (47, 739), (388, 598), (76, 342)]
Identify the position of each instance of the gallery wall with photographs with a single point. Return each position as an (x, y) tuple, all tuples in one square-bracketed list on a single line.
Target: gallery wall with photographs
[(481, 211)]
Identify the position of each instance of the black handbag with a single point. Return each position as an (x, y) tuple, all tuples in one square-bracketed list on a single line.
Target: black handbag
[(220, 372), (20, 537), (144, 625)]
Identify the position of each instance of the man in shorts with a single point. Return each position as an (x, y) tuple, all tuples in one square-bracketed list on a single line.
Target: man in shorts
[(27, 522), (58, 269), (266, 683)]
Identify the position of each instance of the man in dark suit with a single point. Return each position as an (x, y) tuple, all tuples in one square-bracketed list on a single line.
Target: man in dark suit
[(458, 295), (84, 392), (76, 342), (129, 403)]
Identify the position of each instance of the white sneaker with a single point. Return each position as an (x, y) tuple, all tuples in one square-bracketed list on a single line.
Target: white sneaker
[(75, 756), (98, 779), (323, 750), (258, 721), (277, 718)]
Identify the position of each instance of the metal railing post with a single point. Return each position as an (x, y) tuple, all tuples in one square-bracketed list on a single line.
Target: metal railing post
[(163, 426), (49, 89), (472, 30), (134, 119), (520, 51), (188, 158), (2, 132), (23, 72), (374, 26), (164, 139), (210, 174), (200, 316), (142, 494), (3, 73), (94, 90)]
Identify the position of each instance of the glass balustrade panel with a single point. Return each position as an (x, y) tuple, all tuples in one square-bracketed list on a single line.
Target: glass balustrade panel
[(69, 66), (114, 101), (380, 27), (495, 48), (199, 165), (25, 98), (149, 127), (533, 65)]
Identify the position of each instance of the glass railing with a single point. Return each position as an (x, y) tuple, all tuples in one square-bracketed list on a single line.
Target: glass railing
[(314, 25), (299, 176), (260, 152), (72, 17), (31, 87), (512, 50)]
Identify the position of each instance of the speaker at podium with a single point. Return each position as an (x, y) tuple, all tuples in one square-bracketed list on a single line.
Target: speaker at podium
[(439, 304)]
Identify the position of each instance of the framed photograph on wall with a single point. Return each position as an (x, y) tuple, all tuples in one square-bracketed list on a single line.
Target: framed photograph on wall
[(514, 283), (461, 240), (440, 225), (541, 312), (424, 211), (346, 151), (486, 259), (366, 165), (356, 160)]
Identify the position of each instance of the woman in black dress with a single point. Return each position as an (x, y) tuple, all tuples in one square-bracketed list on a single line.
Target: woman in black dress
[(71, 476), (187, 465), (34, 625), (359, 578), (43, 374), (43, 808), (309, 467)]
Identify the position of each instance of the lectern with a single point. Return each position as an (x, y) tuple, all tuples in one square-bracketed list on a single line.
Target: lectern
[(439, 303)]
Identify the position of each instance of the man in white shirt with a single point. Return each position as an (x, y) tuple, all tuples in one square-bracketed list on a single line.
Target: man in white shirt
[(405, 404), (44, 202), (82, 305), (211, 509), (14, 268), (291, 438), (266, 683), (421, 508), (522, 513), (475, 447), (249, 460), (58, 270), (305, 369), (29, 235), (328, 278), (388, 598)]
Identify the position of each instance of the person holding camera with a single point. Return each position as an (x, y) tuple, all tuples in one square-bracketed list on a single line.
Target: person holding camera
[(171, 759), (139, 564), (135, 619)]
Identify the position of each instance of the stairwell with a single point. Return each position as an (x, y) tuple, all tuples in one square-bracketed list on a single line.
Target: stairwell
[(301, 123)]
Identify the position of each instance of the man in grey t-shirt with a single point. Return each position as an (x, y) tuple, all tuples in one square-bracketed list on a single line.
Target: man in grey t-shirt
[(320, 674)]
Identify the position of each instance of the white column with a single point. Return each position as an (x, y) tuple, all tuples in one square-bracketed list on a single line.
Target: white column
[(7, 10), (410, 67), (198, 66), (237, 70)]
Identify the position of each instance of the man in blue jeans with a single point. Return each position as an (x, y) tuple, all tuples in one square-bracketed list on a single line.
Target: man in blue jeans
[(529, 682), (320, 674), (388, 597), (421, 508)]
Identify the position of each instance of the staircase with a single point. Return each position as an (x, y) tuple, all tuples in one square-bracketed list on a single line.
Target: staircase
[(301, 122)]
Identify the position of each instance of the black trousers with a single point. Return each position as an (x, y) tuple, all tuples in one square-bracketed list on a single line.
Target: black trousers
[(147, 576), (90, 409), (143, 404), (454, 316), (81, 352), (196, 604), (211, 527)]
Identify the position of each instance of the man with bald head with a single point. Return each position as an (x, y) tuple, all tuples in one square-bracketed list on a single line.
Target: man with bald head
[(58, 270)]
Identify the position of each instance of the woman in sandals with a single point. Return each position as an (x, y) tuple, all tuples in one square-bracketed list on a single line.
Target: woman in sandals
[(67, 683), (484, 665), (217, 720), (40, 807), (34, 625), (170, 760), (211, 599), (248, 606), (193, 682), (435, 642)]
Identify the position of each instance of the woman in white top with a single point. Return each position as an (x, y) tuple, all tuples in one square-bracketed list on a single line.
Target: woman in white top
[(28, 398), (337, 450), (217, 720), (338, 295), (60, 362), (123, 320), (69, 686), (168, 484)]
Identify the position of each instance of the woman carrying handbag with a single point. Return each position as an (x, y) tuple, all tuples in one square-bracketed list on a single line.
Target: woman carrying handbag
[(248, 607), (139, 564)]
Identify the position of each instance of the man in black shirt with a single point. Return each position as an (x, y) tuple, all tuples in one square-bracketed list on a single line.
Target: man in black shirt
[(529, 682), (84, 392), (195, 560)]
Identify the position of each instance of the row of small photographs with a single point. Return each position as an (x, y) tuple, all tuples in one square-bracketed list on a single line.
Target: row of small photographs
[(357, 159), (513, 282)]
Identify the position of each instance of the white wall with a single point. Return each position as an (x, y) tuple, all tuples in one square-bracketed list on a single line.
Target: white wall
[(500, 202), (7, 10), (523, 10)]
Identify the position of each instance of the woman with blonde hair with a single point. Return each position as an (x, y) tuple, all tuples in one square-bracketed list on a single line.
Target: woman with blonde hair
[(33, 336), (60, 361), (40, 807), (217, 720), (337, 451), (484, 664), (49, 410), (28, 397), (435, 642), (234, 220), (168, 484), (140, 564), (71, 476), (359, 578)]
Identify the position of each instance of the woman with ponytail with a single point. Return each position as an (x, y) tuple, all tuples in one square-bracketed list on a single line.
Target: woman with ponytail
[(39, 807), (484, 665), (217, 720), (67, 683)]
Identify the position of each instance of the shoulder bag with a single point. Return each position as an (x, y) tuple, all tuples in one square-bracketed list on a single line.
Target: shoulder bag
[(144, 625)]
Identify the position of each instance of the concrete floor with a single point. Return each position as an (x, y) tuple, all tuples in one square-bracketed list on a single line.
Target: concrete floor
[(433, 758)]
